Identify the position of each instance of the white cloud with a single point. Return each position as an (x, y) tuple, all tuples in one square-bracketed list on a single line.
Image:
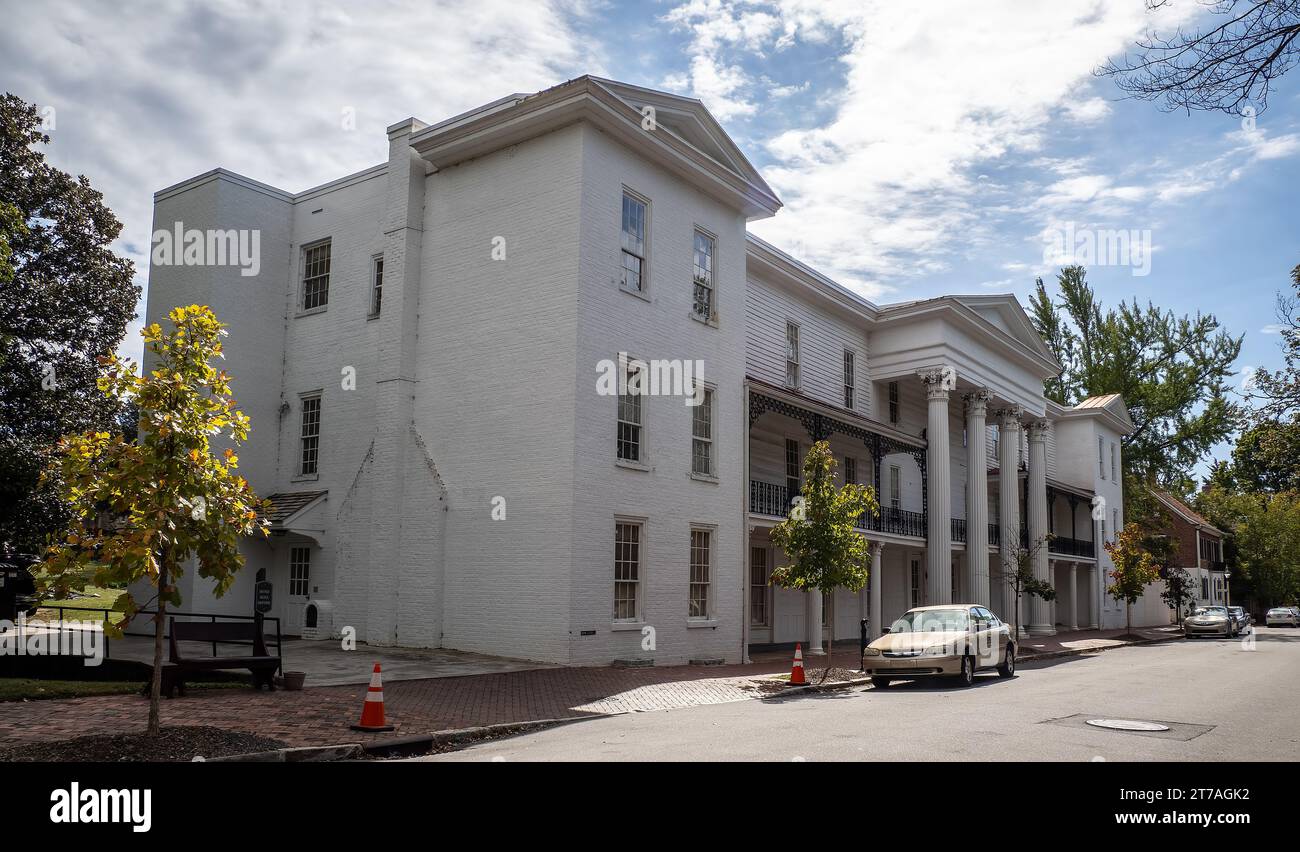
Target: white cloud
[(148, 95), (1271, 328)]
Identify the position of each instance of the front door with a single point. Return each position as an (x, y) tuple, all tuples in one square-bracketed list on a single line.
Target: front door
[(295, 602)]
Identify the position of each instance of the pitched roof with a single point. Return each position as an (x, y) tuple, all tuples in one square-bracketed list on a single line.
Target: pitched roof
[(289, 503), (1187, 513), (1110, 407)]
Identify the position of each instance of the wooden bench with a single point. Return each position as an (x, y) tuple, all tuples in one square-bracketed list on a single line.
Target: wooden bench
[(260, 662)]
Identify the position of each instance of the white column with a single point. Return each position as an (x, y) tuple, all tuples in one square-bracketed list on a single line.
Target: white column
[(1094, 596), (1074, 596), (977, 499), (1008, 507), (814, 643), (877, 589), (1040, 614), (938, 585)]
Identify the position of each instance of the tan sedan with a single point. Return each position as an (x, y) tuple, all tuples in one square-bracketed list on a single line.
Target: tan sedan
[(953, 639)]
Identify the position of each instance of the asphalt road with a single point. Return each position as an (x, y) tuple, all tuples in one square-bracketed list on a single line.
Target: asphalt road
[(1221, 699)]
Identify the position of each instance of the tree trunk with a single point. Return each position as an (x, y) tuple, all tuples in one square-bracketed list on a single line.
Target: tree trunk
[(830, 656), (155, 686), (1128, 617)]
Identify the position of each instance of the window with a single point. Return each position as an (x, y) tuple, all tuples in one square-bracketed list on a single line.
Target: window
[(791, 355), (828, 612), (792, 470), (702, 436), (997, 441), (702, 304), (316, 276), (1205, 588), (914, 593), (848, 378), (1103, 529), (633, 238), (376, 284), (759, 577), (629, 414), (1114, 516), (1101, 461), (299, 571), (701, 544), (850, 470), (309, 436), (627, 570), (893, 402), (895, 486), (1114, 464)]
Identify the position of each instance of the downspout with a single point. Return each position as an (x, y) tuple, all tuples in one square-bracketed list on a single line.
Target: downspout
[(744, 528)]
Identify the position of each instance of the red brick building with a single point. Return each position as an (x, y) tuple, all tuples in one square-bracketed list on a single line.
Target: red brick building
[(1198, 550)]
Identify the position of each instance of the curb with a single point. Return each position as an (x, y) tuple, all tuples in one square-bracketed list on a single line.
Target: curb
[(817, 687), (303, 754), (423, 743), (1075, 652)]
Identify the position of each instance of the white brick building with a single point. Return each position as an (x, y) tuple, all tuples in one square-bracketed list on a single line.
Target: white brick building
[(420, 350)]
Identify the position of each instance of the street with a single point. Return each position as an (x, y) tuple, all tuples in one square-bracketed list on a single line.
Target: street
[(1220, 700)]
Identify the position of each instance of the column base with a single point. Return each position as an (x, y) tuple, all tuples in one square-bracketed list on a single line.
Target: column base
[(815, 652), (1094, 626), (1042, 630)]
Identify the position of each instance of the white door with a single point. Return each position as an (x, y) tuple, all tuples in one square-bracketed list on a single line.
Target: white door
[(299, 590)]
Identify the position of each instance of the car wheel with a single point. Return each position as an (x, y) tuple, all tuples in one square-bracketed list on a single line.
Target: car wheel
[(880, 682), (967, 675), (1008, 667)]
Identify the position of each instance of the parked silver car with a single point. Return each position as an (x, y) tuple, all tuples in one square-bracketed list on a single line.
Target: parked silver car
[(1210, 621), (1282, 616)]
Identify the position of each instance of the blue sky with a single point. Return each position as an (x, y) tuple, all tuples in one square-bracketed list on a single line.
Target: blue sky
[(920, 148)]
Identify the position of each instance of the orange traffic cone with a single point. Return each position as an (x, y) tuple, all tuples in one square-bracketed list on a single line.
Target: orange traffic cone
[(372, 712), (796, 670)]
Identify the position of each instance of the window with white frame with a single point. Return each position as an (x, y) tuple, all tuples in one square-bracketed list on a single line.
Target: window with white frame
[(849, 379), (376, 284), (914, 592), (316, 275), (633, 241), (701, 578), (791, 355), (1103, 529), (760, 574), (702, 300), (309, 436), (299, 571), (702, 435), (997, 440), (630, 414), (893, 402), (1114, 515), (1101, 457), (627, 570), (850, 470), (1114, 463), (895, 486)]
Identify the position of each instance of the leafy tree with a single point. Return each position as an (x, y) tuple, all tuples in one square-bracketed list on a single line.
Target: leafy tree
[(1264, 540), (1265, 458), (1225, 67), (819, 538), (140, 510), (1022, 582), (1173, 372), (1178, 591), (65, 299), (1134, 570)]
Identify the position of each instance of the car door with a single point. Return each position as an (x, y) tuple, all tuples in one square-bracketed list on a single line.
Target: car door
[(992, 640)]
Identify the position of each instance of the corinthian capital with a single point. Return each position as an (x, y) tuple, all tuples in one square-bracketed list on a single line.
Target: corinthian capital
[(1009, 417), (977, 402), (1038, 428), (938, 381)]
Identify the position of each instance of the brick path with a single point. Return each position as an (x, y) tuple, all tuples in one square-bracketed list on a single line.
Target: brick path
[(321, 715)]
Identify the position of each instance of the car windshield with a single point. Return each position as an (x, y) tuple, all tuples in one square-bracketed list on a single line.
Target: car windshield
[(928, 620), (1209, 610)]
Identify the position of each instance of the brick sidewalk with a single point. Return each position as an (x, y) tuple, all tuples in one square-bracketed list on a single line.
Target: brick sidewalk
[(321, 715)]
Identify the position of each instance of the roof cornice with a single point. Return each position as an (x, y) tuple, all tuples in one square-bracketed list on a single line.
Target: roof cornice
[(585, 99)]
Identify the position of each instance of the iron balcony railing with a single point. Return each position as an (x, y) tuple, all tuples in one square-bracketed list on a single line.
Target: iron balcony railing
[(1072, 547), (995, 535), (766, 498), (958, 529)]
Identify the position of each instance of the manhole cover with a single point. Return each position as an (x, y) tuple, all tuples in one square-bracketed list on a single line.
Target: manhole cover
[(1127, 725)]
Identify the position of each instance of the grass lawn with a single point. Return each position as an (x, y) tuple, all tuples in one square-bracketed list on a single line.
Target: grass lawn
[(94, 598), (31, 689)]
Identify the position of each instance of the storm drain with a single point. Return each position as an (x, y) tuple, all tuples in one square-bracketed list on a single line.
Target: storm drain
[(1159, 728)]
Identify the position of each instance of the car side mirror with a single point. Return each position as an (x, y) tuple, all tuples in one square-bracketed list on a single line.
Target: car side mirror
[(884, 631)]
